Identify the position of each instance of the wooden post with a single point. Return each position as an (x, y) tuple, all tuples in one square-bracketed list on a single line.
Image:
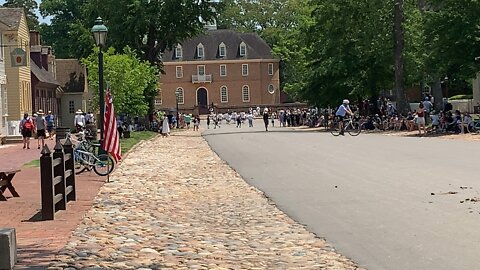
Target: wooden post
[(70, 170), (46, 179), (59, 171)]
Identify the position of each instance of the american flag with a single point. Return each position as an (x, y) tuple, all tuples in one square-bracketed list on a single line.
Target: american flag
[(111, 139)]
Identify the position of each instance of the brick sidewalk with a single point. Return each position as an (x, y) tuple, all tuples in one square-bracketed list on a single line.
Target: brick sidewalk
[(38, 241)]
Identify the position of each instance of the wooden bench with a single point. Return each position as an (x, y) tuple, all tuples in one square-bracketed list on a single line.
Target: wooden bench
[(6, 177)]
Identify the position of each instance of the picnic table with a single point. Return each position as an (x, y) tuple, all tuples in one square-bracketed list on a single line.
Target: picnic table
[(6, 177)]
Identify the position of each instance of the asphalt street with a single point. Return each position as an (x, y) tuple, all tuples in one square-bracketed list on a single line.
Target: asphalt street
[(369, 196)]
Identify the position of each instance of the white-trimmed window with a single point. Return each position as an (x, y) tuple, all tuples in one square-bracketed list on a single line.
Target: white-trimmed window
[(246, 93), (178, 51), (223, 70), (179, 95), (158, 98), (223, 94), (201, 70), (244, 69), (271, 89), (200, 51), (179, 71), (222, 50), (243, 49), (71, 106), (270, 69)]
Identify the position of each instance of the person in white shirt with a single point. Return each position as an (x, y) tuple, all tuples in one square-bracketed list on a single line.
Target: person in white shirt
[(250, 119), (79, 120), (342, 111)]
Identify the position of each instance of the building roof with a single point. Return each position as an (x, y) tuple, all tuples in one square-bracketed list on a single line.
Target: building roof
[(11, 17), (42, 74), (257, 48), (71, 75)]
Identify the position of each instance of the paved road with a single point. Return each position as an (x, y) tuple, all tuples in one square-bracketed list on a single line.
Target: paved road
[(369, 196)]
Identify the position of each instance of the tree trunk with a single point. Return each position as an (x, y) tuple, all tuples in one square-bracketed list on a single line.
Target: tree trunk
[(399, 44), (437, 95)]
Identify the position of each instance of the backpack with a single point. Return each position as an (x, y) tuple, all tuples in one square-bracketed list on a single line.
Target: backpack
[(27, 124)]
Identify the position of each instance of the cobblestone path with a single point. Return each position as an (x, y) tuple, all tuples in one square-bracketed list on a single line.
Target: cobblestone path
[(173, 204)]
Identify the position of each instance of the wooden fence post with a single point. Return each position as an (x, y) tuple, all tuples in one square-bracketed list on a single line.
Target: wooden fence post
[(69, 171), (46, 179), (59, 173)]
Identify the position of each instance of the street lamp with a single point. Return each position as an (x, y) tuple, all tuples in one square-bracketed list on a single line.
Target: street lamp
[(177, 95), (99, 31)]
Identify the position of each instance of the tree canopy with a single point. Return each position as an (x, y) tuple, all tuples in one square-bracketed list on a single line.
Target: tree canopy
[(128, 77)]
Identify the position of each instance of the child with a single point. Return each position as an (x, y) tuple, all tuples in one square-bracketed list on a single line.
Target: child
[(196, 123)]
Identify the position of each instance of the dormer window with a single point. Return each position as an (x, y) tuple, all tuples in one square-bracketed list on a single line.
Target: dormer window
[(200, 51), (178, 51), (222, 50), (243, 49)]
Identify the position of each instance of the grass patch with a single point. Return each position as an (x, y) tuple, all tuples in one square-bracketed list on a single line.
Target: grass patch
[(32, 164), (136, 137)]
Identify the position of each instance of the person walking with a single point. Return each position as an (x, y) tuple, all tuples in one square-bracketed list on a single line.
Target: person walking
[(265, 118), (50, 118), (40, 125), (421, 119), (250, 119), (165, 127), (26, 129), (208, 121)]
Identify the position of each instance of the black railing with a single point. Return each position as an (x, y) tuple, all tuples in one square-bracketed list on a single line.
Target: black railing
[(57, 174)]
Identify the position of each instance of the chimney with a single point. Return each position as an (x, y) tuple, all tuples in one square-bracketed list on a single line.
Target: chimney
[(34, 38)]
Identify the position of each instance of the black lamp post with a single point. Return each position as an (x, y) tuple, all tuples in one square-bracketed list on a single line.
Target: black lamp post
[(177, 94), (446, 86), (99, 31)]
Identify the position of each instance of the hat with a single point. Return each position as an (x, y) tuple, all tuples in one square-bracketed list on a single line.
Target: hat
[(40, 112), (79, 111)]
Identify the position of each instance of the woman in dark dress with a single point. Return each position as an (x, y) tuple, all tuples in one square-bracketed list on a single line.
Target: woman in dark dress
[(265, 118)]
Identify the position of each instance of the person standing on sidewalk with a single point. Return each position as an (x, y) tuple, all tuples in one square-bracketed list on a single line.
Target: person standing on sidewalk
[(265, 118), (26, 129), (40, 124), (79, 120)]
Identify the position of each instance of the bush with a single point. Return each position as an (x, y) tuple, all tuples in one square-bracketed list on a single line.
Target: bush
[(457, 97)]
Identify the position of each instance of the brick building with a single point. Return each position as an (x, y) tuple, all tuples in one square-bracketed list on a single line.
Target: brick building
[(223, 68)]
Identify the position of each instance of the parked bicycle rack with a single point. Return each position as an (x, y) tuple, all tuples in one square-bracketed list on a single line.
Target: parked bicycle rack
[(57, 178)]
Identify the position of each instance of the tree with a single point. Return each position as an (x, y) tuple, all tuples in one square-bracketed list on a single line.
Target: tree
[(128, 77), (351, 52), (452, 36), (30, 6), (151, 27), (399, 44), (282, 24), (69, 29)]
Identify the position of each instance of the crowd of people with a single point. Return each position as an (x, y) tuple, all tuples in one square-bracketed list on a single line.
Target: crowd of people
[(424, 118), (38, 126)]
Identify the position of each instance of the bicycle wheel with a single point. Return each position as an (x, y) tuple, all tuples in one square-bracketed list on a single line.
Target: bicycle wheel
[(334, 128), (78, 166), (103, 165), (354, 128)]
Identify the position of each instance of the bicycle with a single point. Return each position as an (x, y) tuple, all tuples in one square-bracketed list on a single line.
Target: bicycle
[(86, 159), (349, 125), (102, 164)]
